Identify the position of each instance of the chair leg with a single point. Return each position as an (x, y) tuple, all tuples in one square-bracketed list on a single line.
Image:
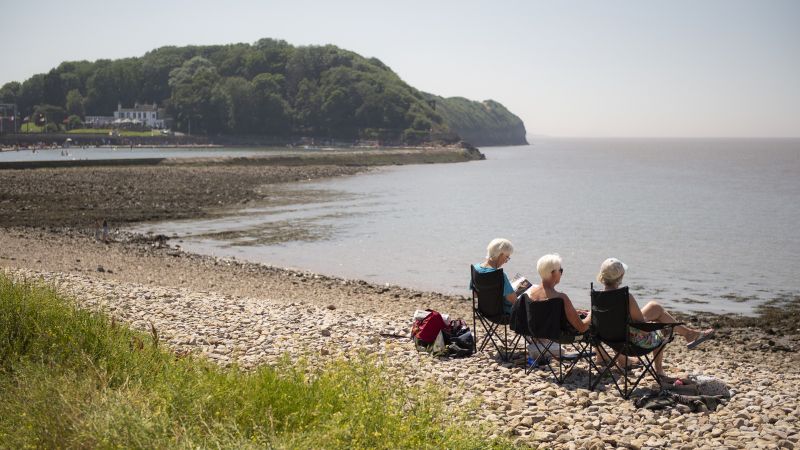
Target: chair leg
[(491, 330), (612, 362), (566, 368), (511, 347), (492, 336), (504, 348), (474, 330)]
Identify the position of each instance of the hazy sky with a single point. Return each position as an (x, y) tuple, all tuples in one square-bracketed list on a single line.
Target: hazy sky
[(603, 68)]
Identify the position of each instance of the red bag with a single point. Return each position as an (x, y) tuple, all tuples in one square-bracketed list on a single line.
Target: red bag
[(428, 328)]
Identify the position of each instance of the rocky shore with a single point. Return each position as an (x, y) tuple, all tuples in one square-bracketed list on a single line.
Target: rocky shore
[(179, 188), (252, 314)]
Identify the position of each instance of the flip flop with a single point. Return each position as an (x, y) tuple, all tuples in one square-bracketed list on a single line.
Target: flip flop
[(700, 339)]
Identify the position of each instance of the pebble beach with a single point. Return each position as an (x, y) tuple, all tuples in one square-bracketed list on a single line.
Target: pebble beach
[(251, 314)]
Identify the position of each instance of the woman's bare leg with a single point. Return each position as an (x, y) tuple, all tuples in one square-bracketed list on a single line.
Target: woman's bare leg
[(654, 312), (659, 361)]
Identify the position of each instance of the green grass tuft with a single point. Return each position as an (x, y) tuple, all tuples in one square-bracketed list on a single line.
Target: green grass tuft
[(70, 378)]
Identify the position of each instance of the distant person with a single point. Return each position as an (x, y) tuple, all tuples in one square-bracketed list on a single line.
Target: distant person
[(551, 271), (97, 229), (611, 272), (498, 252), (105, 231)]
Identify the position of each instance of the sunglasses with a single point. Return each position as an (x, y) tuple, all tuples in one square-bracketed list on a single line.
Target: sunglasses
[(560, 270)]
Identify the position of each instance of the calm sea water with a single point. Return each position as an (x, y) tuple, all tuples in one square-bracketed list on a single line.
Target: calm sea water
[(702, 224)]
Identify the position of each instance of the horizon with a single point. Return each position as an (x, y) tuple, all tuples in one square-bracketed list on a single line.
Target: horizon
[(682, 70)]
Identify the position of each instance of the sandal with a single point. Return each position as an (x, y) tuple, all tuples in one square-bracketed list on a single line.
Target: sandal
[(704, 335)]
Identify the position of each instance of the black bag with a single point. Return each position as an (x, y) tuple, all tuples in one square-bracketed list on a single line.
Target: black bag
[(460, 340)]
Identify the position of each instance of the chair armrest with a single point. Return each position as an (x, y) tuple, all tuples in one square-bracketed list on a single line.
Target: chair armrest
[(653, 326)]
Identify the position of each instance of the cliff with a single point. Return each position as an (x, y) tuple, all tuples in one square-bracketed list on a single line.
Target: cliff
[(481, 123)]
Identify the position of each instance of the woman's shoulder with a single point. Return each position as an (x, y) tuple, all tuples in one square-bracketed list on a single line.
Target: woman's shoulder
[(531, 291), (483, 269), (539, 293), (563, 296)]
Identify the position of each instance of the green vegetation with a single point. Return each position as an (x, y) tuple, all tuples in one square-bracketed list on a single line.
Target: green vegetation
[(70, 378), (30, 128), (106, 131), (267, 88), (481, 123)]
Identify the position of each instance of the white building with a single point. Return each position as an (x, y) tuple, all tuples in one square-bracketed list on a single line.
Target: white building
[(148, 115)]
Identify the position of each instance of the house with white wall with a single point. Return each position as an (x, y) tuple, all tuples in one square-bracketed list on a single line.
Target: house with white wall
[(148, 115)]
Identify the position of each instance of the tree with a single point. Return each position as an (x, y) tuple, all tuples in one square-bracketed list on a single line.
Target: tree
[(156, 67), (266, 56), (75, 103), (10, 91), (307, 106), (31, 94), (74, 122), (113, 82), (53, 92), (194, 99), (269, 83)]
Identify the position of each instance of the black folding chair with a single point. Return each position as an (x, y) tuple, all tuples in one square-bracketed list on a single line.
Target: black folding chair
[(546, 324), (487, 308), (610, 322)]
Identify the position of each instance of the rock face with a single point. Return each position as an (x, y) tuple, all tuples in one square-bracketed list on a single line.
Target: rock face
[(481, 123)]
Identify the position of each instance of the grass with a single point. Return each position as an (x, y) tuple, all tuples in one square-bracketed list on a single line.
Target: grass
[(33, 128), (30, 128), (129, 133), (70, 378)]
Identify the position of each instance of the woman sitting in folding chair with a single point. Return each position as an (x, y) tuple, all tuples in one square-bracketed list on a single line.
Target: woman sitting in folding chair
[(550, 270), (611, 273), (498, 252)]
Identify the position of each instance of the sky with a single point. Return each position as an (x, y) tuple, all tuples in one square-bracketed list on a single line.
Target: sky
[(638, 68)]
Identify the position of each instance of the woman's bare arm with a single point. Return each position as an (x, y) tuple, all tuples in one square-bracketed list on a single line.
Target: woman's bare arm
[(572, 315), (636, 313)]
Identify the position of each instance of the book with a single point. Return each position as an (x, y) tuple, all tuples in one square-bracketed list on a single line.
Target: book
[(520, 284)]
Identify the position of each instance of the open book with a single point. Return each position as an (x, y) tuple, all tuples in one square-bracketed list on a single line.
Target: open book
[(520, 284)]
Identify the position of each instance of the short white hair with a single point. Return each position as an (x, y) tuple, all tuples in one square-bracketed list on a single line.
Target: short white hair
[(547, 264), (498, 246)]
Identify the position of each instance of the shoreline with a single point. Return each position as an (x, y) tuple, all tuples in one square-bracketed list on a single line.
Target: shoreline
[(251, 314), (776, 320)]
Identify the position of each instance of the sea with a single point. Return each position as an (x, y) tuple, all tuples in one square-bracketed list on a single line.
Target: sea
[(703, 224)]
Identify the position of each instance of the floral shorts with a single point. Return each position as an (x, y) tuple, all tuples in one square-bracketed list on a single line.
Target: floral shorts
[(645, 339)]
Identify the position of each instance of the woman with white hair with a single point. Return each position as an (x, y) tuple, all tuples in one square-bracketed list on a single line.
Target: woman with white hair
[(611, 273), (498, 252), (550, 270)]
